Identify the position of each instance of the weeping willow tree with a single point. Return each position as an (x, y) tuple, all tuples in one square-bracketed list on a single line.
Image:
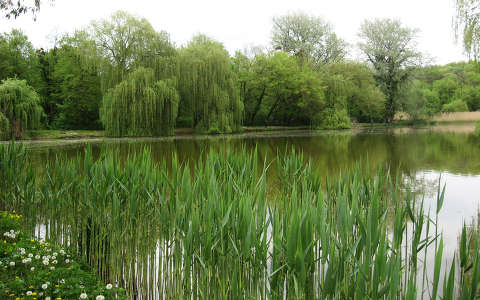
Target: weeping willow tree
[(141, 106), (207, 87), (19, 108), (125, 42), (467, 26)]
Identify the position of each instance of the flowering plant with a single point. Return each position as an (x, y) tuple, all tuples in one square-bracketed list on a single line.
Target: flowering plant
[(34, 269)]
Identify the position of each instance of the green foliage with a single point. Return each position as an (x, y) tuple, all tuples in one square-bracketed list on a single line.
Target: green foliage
[(477, 129), (466, 26), (334, 119), (19, 108), (207, 87), (141, 106), (34, 269), (77, 93), (275, 89), (390, 48), (309, 38), (444, 84), (125, 42), (351, 86), (18, 59), (413, 100), (455, 106), (5, 130)]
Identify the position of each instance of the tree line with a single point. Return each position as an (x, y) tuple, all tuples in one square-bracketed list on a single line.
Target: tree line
[(121, 75)]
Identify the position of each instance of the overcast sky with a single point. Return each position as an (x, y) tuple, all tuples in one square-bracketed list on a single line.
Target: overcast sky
[(245, 23)]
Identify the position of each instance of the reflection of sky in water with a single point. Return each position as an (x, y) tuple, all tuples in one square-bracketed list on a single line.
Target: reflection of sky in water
[(461, 204)]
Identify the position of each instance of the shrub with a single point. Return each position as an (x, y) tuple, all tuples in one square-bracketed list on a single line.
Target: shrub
[(455, 106), (335, 119), (33, 269)]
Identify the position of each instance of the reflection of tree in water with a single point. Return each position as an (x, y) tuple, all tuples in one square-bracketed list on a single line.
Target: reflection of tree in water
[(420, 185)]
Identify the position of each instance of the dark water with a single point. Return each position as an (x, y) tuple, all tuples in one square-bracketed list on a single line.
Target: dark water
[(418, 156)]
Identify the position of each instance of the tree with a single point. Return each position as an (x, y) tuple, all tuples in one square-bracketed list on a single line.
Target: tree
[(276, 89), (78, 94), (308, 37), (351, 86), (455, 106), (208, 89), (414, 101), (19, 108), (18, 59), (141, 106), (466, 25), (125, 42), (391, 50)]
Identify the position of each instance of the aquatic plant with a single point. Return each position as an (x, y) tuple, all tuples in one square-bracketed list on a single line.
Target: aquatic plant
[(219, 229)]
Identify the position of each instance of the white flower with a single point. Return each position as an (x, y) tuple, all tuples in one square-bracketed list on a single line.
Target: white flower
[(62, 252), (62, 281), (44, 286), (52, 268), (32, 269), (67, 261), (54, 254), (83, 296), (1, 263), (100, 297), (54, 262), (30, 255), (45, 262), (47, 298), (29, 293), (40, 294), (54, 257), (37, 256), (12, 264), (109, 286)]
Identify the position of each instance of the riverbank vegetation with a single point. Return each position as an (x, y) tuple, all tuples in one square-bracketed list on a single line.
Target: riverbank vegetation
[(90, 79), (34, 269), (216, 229)]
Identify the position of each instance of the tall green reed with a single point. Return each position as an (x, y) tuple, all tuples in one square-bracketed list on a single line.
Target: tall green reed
[(215, 230)]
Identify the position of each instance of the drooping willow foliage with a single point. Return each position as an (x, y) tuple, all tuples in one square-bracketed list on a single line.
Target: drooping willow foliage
[(207, 87), (19, 108), (141, 106)]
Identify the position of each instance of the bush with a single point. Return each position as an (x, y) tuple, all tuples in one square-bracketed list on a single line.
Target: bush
[(335, 119), (32, 269), (455, 106)]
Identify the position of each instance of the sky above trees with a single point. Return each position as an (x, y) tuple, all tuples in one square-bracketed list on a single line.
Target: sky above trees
[(247, 23)]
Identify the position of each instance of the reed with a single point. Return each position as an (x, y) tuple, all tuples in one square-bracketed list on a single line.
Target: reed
[(215, 230)]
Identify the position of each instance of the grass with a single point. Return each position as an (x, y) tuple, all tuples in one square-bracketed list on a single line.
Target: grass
[(62, 134), (216, 230)]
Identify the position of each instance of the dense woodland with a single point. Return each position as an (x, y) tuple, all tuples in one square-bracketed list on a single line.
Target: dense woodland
[(121, 75)]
